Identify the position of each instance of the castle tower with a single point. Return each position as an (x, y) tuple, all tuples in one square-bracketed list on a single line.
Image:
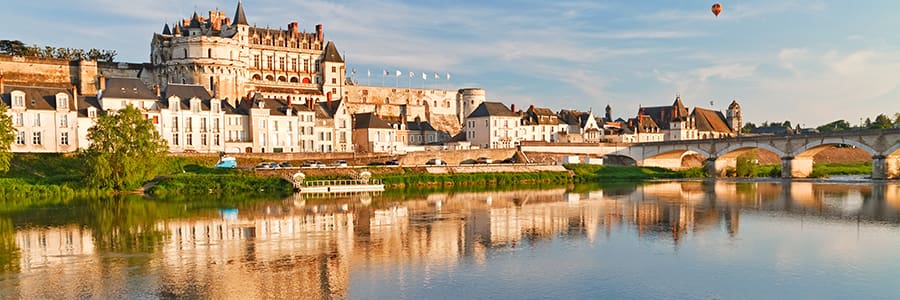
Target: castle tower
[(734, 117), (467, 101), (333, 72)]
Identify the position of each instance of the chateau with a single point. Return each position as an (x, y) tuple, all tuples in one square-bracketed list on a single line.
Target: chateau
[(215, 83)]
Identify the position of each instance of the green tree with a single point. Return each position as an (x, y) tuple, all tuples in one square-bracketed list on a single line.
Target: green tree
[(7, 135), (748, 127), (881, 122), (125, 152), (835, 126), (12, 47), (896, 119), (747, 164)]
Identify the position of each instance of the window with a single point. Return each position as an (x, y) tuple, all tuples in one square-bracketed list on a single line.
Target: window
[(188, 124), (62, 102), (216, 140), (290, 127), (203, 139), (195, 107), (190, 139), (92, 113), (256, 61), (294, 64), (209, 53), (20, 119), (37, 119), (333, 69), (275, 125), (20, 138), (18, 100), (64, 138), (270, 62), (281, 63), (305, 65), (334, 81), (64, 121), (36, 138), (202, 124), (175, 139), (262, 124)]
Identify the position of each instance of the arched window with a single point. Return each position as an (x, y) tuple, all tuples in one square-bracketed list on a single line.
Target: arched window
[(306, 80), (209, 53), (185, 53), (257, 77)]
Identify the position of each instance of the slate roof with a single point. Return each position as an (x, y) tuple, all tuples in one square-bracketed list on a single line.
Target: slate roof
[(420, 126), (663, 115), (541, 116), (87, 101), (128, 88), (369, 121), (239, 17), (331, 53), (38, 98), (496, 109), (710, 120), (185, 91), (573, 117)]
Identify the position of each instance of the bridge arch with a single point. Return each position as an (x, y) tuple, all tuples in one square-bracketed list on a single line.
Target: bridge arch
[(674, 158), (810, 149), (733, 149)]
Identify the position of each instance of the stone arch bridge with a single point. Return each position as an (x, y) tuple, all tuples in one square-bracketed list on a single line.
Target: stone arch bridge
[(796, 151)]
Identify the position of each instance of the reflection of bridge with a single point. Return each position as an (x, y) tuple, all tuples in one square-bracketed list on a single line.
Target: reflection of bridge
[(796, 151)]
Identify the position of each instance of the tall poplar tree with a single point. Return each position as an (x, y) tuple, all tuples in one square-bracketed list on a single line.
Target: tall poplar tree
[(126, 151)]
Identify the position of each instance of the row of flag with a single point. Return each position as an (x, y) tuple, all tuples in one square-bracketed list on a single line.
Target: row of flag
[(412, 74)]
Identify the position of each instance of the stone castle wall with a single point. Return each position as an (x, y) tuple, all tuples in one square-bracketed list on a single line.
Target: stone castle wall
[(62, 73), (436, 106)]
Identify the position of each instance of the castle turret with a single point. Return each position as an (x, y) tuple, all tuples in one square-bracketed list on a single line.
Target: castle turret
[(608, 113)]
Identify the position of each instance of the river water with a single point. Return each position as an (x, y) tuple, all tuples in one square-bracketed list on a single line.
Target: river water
[(672, 240)]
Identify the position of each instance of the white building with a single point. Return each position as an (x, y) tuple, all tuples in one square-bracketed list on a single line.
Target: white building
[(493, 125), (44, 119)]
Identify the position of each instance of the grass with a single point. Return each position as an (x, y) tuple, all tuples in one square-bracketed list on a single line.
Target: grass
[(412, 180), (825, 170), (219, 184), (596, 173)]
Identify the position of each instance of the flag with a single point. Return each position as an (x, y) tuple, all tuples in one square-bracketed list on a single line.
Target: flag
[(411, 74), (436, 76), (399, 73), (424, 76), (386, 73), (448, 76)]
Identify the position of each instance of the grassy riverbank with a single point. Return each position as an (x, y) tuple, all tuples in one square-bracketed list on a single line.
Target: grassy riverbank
[(413, 180), (597, 173)]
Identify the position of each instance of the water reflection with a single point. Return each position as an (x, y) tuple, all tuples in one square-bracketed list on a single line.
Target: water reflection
[(312, 248)]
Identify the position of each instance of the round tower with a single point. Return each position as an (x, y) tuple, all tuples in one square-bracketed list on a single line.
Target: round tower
[(735, 119), (467, 101)]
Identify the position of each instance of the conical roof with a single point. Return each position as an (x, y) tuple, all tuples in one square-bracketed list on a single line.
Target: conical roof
[(166, 29), (239, 17), (331, 53)]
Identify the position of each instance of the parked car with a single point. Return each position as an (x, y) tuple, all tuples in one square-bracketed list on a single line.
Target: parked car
[(314, 164), (227, 162), (267, 165), (286, 164), (392, 162), (484, 160), (436, 162), (340, 164)]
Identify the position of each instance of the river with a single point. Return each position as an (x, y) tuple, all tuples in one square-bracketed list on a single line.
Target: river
[(672, 240)]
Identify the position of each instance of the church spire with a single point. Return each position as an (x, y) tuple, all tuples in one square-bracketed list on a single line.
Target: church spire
[(239, 17)]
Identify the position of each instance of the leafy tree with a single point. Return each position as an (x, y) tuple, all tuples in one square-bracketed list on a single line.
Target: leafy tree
[(125, 152), (838, 125), (12, 47), (881, 122), (786, 124), (747, 164), (867, 123), (7, 135), (748, 127)]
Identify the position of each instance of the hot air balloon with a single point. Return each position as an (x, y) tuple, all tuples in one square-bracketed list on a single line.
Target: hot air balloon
[(716, 9)]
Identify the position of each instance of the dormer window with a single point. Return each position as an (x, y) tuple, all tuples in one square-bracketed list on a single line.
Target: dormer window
[(18, 99), (92, 112), (214, 106), (62, 101), (195, 106)]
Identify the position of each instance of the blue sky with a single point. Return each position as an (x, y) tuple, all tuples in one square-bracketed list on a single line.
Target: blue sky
[(810, 62)]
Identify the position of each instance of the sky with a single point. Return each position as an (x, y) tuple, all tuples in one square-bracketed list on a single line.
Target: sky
[(810, 62)]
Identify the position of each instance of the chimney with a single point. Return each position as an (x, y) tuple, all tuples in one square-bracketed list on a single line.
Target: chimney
[(156, 89), (102, 81), (531, 107), (309, 103), (74, 93), (294, 28), (227, 21), (329, 101), (512, 107), (319, 32)]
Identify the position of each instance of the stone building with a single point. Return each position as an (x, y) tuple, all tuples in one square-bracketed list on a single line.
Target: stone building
[(676, 123), (44, 118)]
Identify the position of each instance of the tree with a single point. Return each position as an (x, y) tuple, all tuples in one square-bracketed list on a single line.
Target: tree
[(786, 124), (834, 126), (881, 122), (12, 47), (897, 119), (125, 152), (748, 127), (7, 135)]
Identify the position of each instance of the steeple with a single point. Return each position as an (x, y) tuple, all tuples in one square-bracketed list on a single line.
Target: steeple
[(166, 30), (195, 20), (239, 17)]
